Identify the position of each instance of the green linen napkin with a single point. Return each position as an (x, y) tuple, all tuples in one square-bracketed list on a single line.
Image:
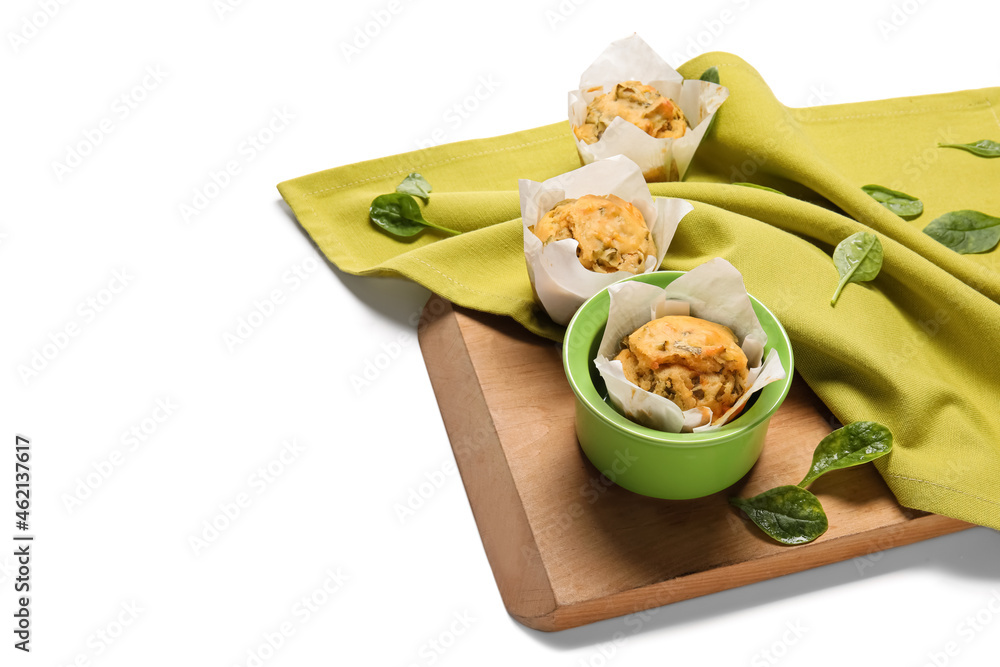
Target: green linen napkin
[(915, 349)]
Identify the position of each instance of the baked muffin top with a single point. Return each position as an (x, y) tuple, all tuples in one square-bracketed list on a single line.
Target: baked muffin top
[(611, 232), (639, 104), (688, 360)]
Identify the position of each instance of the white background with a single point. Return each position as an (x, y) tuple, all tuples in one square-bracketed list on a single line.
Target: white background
[(189, 282)]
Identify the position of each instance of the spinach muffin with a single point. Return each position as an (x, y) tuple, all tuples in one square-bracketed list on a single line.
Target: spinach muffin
[(611, 232), (692, 362), (639, 104)]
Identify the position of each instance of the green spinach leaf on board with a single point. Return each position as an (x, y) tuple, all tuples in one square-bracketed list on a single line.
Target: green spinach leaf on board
[(852, 445), (416, 185), (966, 232), (905, 206), (792, 515), (858, 258), (789, 514), (982, 148)]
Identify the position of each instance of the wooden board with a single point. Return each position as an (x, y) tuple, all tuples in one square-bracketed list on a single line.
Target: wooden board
[(568, 547)]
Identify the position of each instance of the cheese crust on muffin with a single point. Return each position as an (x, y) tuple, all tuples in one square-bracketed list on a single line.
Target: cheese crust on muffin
[(639, 104), (692, 362), (611, 232)]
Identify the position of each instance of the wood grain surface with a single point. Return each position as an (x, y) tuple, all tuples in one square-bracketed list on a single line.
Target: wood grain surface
[(568, 547)]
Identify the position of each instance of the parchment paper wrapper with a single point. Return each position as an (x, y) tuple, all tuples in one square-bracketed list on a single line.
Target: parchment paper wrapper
[(631, 59), (713, 291), (560, 281)]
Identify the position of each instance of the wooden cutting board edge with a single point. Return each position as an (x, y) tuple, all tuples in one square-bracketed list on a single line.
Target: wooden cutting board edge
[(496, 505), (507, 537)]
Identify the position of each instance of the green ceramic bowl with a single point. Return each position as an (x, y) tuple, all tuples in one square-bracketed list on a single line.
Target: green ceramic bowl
[(674, 466)]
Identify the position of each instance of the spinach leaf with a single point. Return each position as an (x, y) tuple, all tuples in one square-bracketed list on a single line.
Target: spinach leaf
[(759, 187), (858, 258), (416, 185), (399, 214), (982, 148), (966, 231), (711, 75), (854, 444), (905, 206), (789, 514), (392, 212), (792, 515)]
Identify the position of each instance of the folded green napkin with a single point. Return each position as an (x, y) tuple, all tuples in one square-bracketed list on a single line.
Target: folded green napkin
[(916, 349)]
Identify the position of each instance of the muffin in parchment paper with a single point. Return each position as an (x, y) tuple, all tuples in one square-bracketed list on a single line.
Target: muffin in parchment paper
[(573, 249), (609, 116), (686, 357)]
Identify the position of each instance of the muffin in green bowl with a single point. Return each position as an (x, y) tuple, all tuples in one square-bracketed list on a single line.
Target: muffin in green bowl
[(656, 463)]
